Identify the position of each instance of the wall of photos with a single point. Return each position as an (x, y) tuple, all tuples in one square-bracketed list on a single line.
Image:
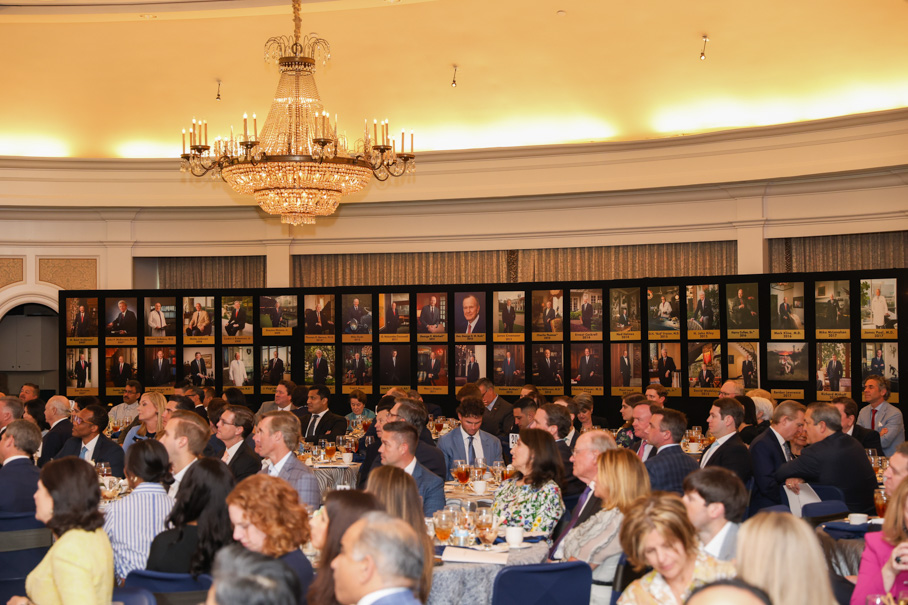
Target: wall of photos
[(801, 336)]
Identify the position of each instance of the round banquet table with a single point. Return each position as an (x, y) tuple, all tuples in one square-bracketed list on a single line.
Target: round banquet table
[(455, 494), (336, 473), (472, 582)]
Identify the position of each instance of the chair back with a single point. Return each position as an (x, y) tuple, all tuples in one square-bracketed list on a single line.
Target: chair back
[(778, 508), (544, 584), (818, 513), (624, 575), (158, 581), (828, 492), (23, 543), (133, 596)]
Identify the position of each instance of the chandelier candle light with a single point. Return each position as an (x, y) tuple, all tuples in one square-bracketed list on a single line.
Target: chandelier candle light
[(299, 168)]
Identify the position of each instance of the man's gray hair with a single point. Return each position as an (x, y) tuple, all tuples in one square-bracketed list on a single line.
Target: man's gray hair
[(26, 436), (601, 441), (787, 409), (764, 408), (828, 413), (15, 406), (60, 404), (412, 412), (393, 545)]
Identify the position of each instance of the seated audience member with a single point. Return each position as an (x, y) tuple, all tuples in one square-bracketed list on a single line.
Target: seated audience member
[(668, 468), (764, 408), (643, 413), (530, 390), (358, 407), (770, 450), (79, 566), (498, 418), (197, 396), (733, 590), (556, 420), (431, 408), (869, 439), (215, 448), (184, 437), (151, 419), (524, 414), (234, 425), (625, 436), (174, 403), (320, 422), (199, 520), (13, 408), (380, 562), (531, 498), (468, 442), (897, 470), (234, 396), (656, 394), (244, 577), (621, 480), (372, 458), (798, 442), (727, 451), (181, 386), (880, 415), (468, 390), (268, 518), (832, 459), (283, 399), (716, 500), (341, 510), (414, 414), (657, 533), (398, 443), (397, 492), (884, 562), (18, 473), (585, 416), (210, 394), (132, 522), (89, 443), (572, 409), (276, 439), (781, 554), (34, 413), (748, 427), (57, 413)]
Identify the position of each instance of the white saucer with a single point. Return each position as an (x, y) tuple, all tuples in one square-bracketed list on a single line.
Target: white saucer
[(521, 545)]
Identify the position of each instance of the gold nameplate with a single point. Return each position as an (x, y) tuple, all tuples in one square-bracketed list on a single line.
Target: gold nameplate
[(834, 334), (160, 340), (622, 391), (548, 336), (664, 335), (474, 337), (590, 390), (782, 394), (74, 392), (622, 336), (321, 338), (268, 389), (749, 333), (516, 390), (198, 340), (437, 337), (393, 338), (120, 341), (115, 390), (277, 331), (163, 390), (365, 388), (786, 334), (586, 335), (701, 392), (703, 334), (508, 337), (830, 395), (81, 341), (875, 334), (551, 390), (432, 390), (236, 340), (356, 338)]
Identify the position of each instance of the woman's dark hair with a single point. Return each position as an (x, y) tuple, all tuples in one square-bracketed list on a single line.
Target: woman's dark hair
[(344, 508), (234, 396), (299, 394), (750, 410), (148, 460), (35, 409), (73, 485), (202, 498), (545, 459)]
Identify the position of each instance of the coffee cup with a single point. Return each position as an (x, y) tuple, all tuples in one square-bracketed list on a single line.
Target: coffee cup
[(693, 447), (514, 536), (479, 487), (347, 457), (857, 518)]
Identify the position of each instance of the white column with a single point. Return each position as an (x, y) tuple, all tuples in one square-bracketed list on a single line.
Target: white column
[(753, 248), (277, 259)]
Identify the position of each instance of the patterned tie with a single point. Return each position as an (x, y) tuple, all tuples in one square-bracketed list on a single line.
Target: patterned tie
[(787, 450), (471, 453)]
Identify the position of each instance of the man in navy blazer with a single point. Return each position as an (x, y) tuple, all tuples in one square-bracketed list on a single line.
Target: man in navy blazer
[(426, 452), (56, 412), (468, 442), (848, 408), (769, 451), (398, 444), (728, 451), (19, 475), (668, 468), (89, 443)]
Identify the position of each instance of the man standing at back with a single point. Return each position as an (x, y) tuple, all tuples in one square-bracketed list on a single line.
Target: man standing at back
[(881, 416), (770, 450), (668, 468), (276, 439), (728, 451), (468, 442)]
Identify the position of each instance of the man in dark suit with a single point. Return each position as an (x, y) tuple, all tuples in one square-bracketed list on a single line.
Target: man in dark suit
[(508, 316), (705, 378), (785, 320), (275, 369), (624, 367), (548, 316), (429, 316), (728, 450), (320, 423), (433, 368), (56, 412), (392, 319), (89, 443), (665, 366), (834, 372), (668, 468), (877, 364), (275, 313), (748, 372), (427, 452), (586, 313), (557, 421), (869, 439), (743, 312), (82, 369), (234, 426), (318, 321), (81, 323), (548, 370), (704, 312), (587, 369), (832, 458), (125, 323), (473, 320), (120, 372), (237, 321), (398, 444), (770, 450), (472, 370), (509, 369), (18, 475), (320, 368), (356, 311), (498, 418), (359, 369), (160, 370), (393, 369), (197, 370)]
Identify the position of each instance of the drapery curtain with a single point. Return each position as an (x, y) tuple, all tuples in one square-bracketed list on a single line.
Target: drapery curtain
[(839, 252), (211, 272)]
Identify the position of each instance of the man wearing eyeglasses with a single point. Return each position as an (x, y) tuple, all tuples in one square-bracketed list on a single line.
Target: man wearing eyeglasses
[(234, 426), (89, 443)]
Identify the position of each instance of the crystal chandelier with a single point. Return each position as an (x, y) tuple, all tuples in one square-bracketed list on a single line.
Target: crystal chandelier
[(299, 167)]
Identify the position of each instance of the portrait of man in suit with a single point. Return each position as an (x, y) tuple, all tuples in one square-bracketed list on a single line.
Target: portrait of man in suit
[(395, 365), (82, 325), (120, 371), (320, 368), (275, 369), (788, 306), (548, 370), (82, 370), (665, 368), (471, 319), (392, 318), (589, 368), (705, 378), (430, 319), (433, 368), (124, 321), (236, 371), (586, 312), (510, 371), (359, 368), (236, 319), (275, 314), (834, 372), (549, 316), (199, 322), (749, 372), (624, 368), (703, 311), (197, 370), (508, 315), (159, 374), (472, 369), (743, 308)]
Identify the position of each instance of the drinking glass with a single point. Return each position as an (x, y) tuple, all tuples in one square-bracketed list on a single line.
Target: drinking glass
[(870, 453), (461, 473), (877, 599), (368, 441), (103, 469), (322, 443), (480, 463), (444, 525), (476, 474), (881, 500), (486, 528), (497, 470)]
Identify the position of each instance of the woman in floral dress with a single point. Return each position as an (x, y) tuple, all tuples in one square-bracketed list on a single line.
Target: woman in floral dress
[(532, 498), (625, 435)]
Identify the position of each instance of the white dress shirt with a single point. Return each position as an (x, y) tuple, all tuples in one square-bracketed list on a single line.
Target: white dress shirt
[(715, 545), (410, 467), (275, 469), (477, 444), (231, 451), (177, 478), (90, 446), (712, 449)]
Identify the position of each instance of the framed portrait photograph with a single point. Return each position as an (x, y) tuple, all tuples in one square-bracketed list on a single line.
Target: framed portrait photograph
[(469, 363), (394, 367), (432, 369), (878, 308), (663, 319), (704, 369), (548, 368), (274, 366), (198, 366), (742, 364), (703, 311), (586, 314), (833, 370), (161, 321), (626, 368), (319, 311), (278, 314), (508, 368), (548, 315), (432, 317), (320, 365), (121, 325), (198, 312), (160, 369), (237, 366), (743, 306), (236, 319), (470, 316), (624, 314), (509, 316), (832, 309), (394, 317), (357, 310), (120, 366), (881, 359), (786, 305), (586, 368), (665, 366), (357, 368), (787, 362), (81, 371), (81, 321)]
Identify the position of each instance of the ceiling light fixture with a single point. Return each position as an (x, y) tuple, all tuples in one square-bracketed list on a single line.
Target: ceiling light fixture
[(299, 168), (454, 81), (703, 50)]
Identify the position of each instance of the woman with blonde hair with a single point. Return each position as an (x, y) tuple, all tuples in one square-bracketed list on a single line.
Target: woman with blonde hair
[(657, 533), (620, 480), (397, 492), (151, 419), (780, 554), (884, 563)]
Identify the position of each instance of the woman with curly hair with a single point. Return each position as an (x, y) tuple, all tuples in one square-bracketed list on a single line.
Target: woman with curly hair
[(151, 414), (268, 518)]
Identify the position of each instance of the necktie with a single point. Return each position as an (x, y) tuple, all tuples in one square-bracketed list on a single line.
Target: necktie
[(121, 368), (312, 423), (872, 420), (471, 453), (469, 329), (708, 453), (584, 496), (161, 318), (787, 450), (226, 456), (84, 453), (642, 449)]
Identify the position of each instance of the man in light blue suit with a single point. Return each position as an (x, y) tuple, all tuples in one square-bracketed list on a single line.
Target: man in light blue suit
[(881, 416), (398, 444), (468, 442)]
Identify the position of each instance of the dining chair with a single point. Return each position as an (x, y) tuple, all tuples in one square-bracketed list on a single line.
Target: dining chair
[(543, 584), (132, 596), (23, 543)]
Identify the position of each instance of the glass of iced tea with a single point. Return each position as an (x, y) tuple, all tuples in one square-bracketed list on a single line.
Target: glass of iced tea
[(881, 500), (443, 521), (330, 450), (486, 528)]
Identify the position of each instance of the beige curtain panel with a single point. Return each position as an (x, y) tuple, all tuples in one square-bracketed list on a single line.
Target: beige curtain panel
[(211, 272), (839, 252)]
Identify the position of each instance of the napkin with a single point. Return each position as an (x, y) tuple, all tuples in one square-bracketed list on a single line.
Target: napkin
[(839, 530), (453, 554)]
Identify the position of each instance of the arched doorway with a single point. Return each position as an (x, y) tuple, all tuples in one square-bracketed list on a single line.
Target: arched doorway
[(30, 337)]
